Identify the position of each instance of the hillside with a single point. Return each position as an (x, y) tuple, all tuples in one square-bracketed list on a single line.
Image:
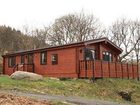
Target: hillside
[(118, 90)]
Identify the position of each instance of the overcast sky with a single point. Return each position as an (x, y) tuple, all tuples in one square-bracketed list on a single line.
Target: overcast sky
[(36, 13)]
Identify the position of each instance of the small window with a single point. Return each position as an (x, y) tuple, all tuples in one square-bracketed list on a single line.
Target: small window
[(43, 58), (22, 59), (30, 59), (11, 61), (55, 59), (107, 56)]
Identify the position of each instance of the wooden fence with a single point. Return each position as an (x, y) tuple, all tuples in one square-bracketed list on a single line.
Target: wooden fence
[(99, 69)]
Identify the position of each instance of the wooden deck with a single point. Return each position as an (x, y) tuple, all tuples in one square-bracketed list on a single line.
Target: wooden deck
[(24, 67), (104, 69)]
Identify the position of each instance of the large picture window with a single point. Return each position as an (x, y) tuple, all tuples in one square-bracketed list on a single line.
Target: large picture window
[(54, 59), (107, 56), (30, 59), (89, 54), (11, 61), (43, 58)]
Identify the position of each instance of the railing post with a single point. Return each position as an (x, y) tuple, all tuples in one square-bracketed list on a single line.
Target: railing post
[(14, 69), (127, 71), (109, 68), (122, 69), (79, 67), (93, 63), (102, 68), (17, 67), (138, 71), (133, 70), (85, 68), (23, 67), (116, 69), (33, 68)]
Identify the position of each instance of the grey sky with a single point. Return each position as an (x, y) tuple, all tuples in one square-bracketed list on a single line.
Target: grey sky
[(36, 13)]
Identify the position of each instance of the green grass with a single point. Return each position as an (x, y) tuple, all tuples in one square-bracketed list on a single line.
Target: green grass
[(106, 89)]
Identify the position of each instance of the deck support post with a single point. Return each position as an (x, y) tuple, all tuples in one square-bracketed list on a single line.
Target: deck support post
[(133, 70), (33, 68), (85, 68), (93, 64), (138, 71), (116, 69), (109, 68), (122, 69), (127, 71), (102, 68)]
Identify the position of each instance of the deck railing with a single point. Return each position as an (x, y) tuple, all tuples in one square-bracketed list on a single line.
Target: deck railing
[(24, 67), (99, 68)]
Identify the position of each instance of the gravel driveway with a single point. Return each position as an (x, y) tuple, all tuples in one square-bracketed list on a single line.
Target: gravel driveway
[(69, 99)]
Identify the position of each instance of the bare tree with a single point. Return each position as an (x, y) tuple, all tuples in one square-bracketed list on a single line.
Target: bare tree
[(125, 33), (74, 28), (39, 38), (135, 30), (34, 38)]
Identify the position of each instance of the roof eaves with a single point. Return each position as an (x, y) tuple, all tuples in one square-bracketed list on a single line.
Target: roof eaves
[(71, 44), (101, 40), (114, 45)]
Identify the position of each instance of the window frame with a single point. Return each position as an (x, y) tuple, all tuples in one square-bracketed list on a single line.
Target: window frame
[(11, 61), (55, 59), (28, 59), (90, 53), (93, 57), (45, 56), (109, 54), (22, 59)]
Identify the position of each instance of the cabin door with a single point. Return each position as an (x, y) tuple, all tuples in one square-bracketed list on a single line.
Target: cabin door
[(87, 65)]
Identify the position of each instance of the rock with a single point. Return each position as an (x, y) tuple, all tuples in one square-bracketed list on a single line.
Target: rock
[(125, 95), (18, 75)]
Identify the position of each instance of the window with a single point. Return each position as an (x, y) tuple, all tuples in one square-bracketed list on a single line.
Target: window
[(107, 56), (43, 58), (89, 54), (11, 61), (54, 59), (22, 59), (30, 59)]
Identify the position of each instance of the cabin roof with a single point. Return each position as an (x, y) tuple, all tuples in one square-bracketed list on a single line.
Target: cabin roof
[(81, 43)]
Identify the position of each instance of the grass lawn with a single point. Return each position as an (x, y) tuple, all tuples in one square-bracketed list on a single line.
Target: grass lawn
[(106, 89)]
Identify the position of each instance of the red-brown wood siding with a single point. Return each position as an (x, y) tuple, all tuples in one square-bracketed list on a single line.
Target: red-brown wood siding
[(66, 66), (68, 61)]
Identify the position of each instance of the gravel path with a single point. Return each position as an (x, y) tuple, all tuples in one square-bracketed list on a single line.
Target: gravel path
[(69, 99)]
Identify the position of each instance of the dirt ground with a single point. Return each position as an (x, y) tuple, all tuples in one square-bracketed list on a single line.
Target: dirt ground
[(20, 98), (8, 99)]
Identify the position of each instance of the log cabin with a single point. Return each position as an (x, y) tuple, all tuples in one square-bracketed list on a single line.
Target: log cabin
[(86, 59)]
